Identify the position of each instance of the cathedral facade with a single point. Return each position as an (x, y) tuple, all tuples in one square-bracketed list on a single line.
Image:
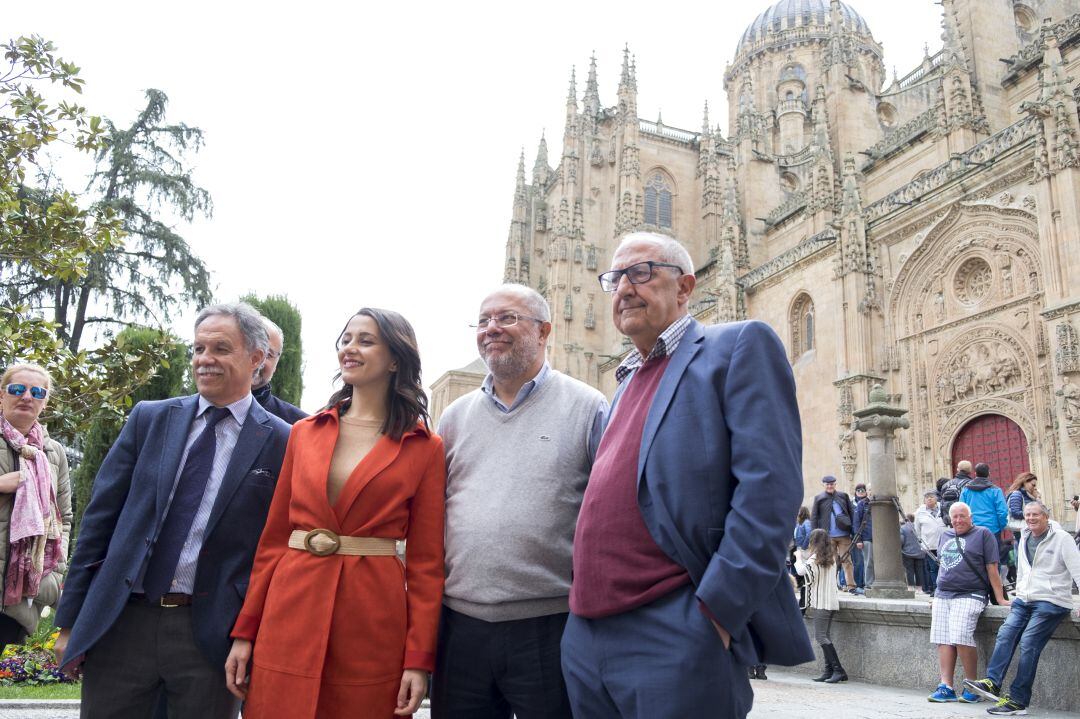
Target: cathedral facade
[(922, 232)]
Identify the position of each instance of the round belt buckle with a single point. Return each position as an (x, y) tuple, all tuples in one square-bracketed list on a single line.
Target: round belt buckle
[(324, 550)]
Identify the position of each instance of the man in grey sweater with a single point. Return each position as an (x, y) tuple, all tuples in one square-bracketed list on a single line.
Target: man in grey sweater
[(518, 455)]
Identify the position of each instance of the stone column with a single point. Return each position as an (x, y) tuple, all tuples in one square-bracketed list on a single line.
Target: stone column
[(879, 420)]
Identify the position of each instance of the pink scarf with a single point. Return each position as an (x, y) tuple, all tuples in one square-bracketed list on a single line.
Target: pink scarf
[(35, 527)]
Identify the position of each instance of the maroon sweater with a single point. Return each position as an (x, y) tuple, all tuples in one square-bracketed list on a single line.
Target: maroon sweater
[(617, 565)]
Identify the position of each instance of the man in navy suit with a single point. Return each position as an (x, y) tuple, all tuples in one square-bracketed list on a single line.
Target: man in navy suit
[(679, 555), (166, 544), (260, 383)]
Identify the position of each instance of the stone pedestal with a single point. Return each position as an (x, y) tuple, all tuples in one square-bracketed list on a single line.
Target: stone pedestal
[(880, 420)]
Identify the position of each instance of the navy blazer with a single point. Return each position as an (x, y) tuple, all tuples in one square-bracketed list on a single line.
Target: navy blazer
[(126, 513), (720, 482)]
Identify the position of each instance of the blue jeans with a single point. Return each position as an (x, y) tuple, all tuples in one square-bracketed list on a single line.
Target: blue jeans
[(1029, 625), (859, 561), (931, 575), (868, 562)]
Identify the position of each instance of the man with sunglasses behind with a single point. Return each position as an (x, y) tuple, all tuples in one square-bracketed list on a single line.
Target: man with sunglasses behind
[(518, 453), (679, 555)]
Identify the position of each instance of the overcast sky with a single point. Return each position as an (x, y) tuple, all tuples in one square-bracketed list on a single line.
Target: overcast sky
[(364, 154)]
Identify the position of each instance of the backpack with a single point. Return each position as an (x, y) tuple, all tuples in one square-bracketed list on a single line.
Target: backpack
[(950, 494)]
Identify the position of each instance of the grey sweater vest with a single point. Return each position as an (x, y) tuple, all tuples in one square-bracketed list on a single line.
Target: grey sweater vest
[(513, 490)]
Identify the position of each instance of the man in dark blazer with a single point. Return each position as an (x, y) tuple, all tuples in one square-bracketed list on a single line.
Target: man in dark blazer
[(260, 383), (679, 554), (834, 512), (166, 544)]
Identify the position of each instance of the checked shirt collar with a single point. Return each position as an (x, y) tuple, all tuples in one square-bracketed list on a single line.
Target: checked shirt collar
[(666, 344)]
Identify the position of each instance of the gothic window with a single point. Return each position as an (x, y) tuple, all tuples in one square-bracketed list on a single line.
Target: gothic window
[(568, 308), (658, 194), (801, 324), (578, 255)]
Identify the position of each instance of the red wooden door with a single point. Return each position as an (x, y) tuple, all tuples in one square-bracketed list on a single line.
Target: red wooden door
[(996, 440)]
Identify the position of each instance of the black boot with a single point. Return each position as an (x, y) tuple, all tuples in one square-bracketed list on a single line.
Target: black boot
[(828, 672), (838, 675), (761, 671)]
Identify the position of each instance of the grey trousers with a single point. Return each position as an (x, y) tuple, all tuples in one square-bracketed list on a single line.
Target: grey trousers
[(147, 650), (823, 626)]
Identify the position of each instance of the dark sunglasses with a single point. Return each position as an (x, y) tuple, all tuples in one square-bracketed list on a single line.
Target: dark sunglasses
[(19, 389)]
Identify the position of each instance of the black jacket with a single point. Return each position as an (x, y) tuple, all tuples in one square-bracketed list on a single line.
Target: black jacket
[(822, 510), (278, 407)]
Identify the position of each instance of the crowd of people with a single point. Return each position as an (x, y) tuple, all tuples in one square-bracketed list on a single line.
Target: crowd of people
[(965, 547), (540, 553), (561, 557)]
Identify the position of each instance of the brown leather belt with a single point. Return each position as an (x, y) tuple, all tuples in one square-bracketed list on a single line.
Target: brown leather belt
[(324, 542), (168, 601)]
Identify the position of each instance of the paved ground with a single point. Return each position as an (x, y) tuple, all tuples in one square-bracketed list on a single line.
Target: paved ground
[(784, 696), (787, 695)]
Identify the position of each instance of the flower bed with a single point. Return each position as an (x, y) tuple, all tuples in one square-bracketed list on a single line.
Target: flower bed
[(32, 663)]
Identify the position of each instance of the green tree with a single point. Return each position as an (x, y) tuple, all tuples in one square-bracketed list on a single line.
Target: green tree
[(45, 231), (142, 181), (288, 381), (170, 381)]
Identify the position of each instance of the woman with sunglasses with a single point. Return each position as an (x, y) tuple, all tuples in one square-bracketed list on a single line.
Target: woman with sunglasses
[(35, 504), (340, 627)]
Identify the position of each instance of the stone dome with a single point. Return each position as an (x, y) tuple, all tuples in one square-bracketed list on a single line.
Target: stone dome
[(790, 14)]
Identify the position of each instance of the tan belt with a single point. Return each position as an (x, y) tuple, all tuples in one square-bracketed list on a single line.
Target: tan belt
[(324, 542)]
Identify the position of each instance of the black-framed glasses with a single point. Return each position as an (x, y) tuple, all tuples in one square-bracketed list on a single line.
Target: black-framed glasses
[(503, 319), (638, 274), (18, 390)]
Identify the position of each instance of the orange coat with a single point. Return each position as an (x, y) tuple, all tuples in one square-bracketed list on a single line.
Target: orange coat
[(333, 634)]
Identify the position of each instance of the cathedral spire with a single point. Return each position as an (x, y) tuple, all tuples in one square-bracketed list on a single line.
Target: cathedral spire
[(627, 92), (520, 191), (541, 170), (731, 194), (955, 56), (851, 197), (592, 91), (571, 127), (705, 131), (624, 77)]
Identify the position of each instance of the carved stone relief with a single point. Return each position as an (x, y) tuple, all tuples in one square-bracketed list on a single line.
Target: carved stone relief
[(846, 406), (986, 368), (848, 454), (952, 270), (1070, 401), (972, 281), (1067, 355)]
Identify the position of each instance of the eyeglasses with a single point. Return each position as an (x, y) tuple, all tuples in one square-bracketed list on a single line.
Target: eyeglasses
[(18, 390), (503, 319), (638, 274)]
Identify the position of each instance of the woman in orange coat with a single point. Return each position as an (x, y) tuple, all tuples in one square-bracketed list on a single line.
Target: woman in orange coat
[(335, 632)]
